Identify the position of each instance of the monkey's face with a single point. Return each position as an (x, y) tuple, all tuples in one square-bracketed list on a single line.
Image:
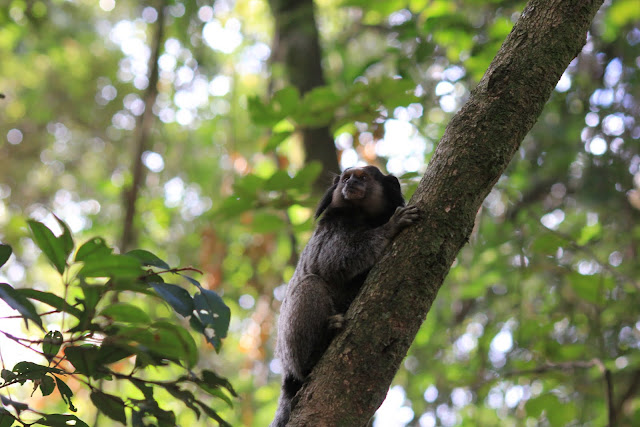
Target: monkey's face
[(358, 186), (353, 184), (367, 190)]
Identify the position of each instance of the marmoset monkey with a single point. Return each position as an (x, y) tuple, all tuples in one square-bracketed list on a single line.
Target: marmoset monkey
[(361, 213)]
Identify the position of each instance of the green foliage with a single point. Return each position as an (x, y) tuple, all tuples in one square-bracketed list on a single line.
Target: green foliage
[(5, 253), (325, 106), (279, 190), (233, 197), (105, 331), (57, 249), (18, 302)]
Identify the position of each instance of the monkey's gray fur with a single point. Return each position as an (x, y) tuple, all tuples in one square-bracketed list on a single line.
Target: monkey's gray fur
[(361, 213)]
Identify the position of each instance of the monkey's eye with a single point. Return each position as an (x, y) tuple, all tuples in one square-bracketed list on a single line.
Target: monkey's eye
[(345, 179)]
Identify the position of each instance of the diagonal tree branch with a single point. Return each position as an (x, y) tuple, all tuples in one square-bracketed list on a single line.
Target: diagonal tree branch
[(352, 378)]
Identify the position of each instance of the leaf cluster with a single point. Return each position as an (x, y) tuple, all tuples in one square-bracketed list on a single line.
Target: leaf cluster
[(107, 333), (328, 106)]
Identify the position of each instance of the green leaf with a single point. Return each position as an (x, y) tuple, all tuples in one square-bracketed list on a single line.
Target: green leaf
[(6, 419), (147, 391), (191, 280), (163, 339), (123, 312), (47, 385), (263, 114), (177, 297), (92, 295), (216, 392), (5, 253), (562, 414), (394, 93), (147, 258), (59, 420), (248, 186), (589, 233), (134, 284), (213, 380), (186, 396), (50, 299), (108, 354), (445, 20), (286, 100), (110, 405), (197, 326), (279, 181), (233, 206), (535, 406), (94, 247), (18, 302), (265, 222), (306, 176), (18, 405), (66, 393), (51, 344), (478, 286), (65, 238), (51, 246), (214, 314), (137, 418), (212, 414), (178, 335), (322, 97), (587, 287), (318, 107), (32, 371), (111, 266), (7, 375), (83, 358), (547, 244), (275, 140)]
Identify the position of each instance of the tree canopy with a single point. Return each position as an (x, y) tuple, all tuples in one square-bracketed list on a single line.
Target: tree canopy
[(181, 127)]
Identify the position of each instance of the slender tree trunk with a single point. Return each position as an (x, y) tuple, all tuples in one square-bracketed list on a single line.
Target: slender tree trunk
[(141, 137), (352, 378), (296, 44)]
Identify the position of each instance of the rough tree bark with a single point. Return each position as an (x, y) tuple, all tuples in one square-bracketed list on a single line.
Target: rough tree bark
[(352, 378), (297, 45)]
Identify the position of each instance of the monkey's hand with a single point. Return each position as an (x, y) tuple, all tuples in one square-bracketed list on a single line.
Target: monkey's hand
[(403, 217)]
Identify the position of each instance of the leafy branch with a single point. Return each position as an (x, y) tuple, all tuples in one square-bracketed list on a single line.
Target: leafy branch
[(102, 334)]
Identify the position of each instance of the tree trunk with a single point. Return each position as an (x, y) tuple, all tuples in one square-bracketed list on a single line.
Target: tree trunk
[(352, 378), (143, 128), (297, 46)]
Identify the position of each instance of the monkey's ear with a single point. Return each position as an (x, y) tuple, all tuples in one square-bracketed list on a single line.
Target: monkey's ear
[(328, 196), (392, 190)]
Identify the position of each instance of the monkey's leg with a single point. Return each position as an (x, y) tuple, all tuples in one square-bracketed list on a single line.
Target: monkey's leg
[(304, 330)]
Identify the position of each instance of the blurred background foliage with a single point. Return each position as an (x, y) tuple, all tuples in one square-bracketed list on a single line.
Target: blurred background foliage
[(539, 310)]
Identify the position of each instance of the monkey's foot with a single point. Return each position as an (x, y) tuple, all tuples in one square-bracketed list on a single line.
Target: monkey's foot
[(336, 321)]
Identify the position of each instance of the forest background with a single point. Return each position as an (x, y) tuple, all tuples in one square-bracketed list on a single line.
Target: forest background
[(538, 319)]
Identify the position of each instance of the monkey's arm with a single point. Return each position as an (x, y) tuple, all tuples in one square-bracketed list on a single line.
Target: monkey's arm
[(379, 238)]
